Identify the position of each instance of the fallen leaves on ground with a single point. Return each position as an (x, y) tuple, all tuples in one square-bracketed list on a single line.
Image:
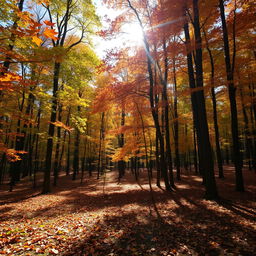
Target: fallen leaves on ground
[(82, 220)]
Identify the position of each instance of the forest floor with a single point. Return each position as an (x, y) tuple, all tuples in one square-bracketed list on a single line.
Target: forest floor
[(111, 218)]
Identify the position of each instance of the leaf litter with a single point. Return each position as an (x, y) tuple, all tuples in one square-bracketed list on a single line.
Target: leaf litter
[(79, 219)]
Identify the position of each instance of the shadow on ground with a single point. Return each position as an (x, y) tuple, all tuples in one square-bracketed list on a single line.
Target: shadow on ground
[(128, 224)]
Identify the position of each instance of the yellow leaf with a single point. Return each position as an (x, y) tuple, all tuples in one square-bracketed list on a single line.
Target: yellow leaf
[(37, 40)]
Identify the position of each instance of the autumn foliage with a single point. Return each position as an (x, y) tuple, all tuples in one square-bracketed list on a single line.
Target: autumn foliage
[(120, 110)]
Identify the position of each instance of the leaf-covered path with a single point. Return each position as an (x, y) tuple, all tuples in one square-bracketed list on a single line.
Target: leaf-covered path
[(119, 219)]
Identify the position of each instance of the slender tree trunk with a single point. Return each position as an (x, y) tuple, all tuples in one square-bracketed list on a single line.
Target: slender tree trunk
[(57, 150), (176, 122), (232, 99), (68, 155), (36, 159), (15, 166), (84, 160), (49, 147), (150, 156), (147, 165), (100, 146), (64, 141), (158, 172), (3, 158), (121, 163), (253, 122), (215, 115), (248, 135), (195, 150), (166, 118), (25, 141), (76, 149)]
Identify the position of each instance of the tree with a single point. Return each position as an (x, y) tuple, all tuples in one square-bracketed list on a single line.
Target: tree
[(230, 67), (198, 105), (64, 16)]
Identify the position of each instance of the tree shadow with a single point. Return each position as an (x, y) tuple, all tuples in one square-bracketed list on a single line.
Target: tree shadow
[(206, 234), (189, 225), (239, 210)]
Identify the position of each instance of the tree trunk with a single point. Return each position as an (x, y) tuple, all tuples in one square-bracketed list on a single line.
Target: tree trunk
[(203, 134), (121, 163), (76, 149), (68, 154), (176, 123), (195, 150), (100, 146), (36, 159), (215, 115), (232, 99), (49, 147), (198, 105), (248, 135), (57, 150), (158, 173), (64, 141), (15, 166), (166, 118), (84, 159)]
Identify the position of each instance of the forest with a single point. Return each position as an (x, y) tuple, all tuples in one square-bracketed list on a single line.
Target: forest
[(128, 127)]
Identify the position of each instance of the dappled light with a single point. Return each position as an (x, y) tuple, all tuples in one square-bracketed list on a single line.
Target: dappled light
[(80, 219), (127, 127)]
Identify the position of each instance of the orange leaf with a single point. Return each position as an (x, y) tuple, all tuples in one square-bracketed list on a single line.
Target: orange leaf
[(48, 23), (60, 124), (46, 2), (50, 33)]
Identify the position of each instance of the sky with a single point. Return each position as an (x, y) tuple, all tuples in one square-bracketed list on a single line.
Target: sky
[(131, 35)]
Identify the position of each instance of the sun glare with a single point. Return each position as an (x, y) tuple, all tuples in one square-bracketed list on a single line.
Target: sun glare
[(132, 34)]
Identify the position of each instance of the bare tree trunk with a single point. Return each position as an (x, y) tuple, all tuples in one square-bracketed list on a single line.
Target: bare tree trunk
[(195, 150), (248, 135), (64, 141), (36, 159), (121, 163), (215, 115), (176, 123), (68, 154), (166, 118), (199, 109), (57, 150), (15, 166), (100, 146), (49, 147), (232, 99), (76, 149)]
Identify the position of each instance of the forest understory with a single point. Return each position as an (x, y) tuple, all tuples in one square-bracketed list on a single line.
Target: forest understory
[(104, 217)]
